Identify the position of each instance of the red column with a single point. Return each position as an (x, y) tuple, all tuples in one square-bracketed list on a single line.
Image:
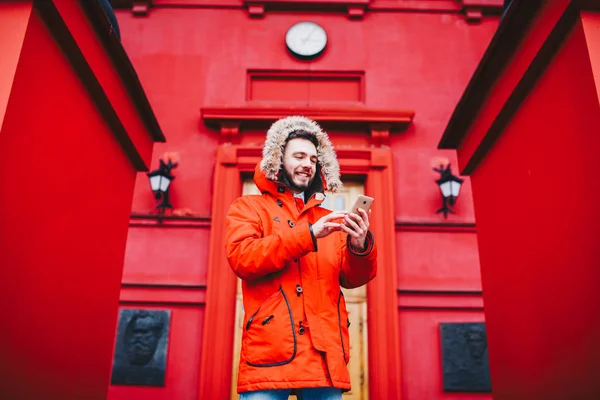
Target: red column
[(219, 318), (532, 152), (382, 292), (67, 174)]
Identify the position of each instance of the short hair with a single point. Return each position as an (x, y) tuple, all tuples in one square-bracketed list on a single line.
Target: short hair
[(302, 134)]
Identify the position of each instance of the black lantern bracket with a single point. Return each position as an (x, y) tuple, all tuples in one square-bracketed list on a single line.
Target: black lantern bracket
[(160, 183), (449, 185)]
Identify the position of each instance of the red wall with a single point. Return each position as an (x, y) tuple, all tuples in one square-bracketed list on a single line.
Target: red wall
[(67, 186), (173, 255), (431, 260), (188, 58), (420, 344), (186, 329), (548, 154)]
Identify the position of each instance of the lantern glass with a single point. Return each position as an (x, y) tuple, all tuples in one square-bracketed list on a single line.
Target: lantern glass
[(446, 189), (455, 188), (155, 182), (164, 184)]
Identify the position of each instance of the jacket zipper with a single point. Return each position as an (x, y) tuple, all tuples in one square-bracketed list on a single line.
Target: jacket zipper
[(251, 319), (259, 308), (340, 326)]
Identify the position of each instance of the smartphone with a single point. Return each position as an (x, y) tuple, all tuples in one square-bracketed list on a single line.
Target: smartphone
[(362, 201)]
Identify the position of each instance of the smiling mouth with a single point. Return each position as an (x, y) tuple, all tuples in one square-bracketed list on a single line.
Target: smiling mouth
[(303, 175)]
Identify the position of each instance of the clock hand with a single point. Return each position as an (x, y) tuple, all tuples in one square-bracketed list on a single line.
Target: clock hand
[(310, 34)]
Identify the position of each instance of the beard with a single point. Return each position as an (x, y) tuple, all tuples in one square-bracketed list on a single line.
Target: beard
[(289, 181)]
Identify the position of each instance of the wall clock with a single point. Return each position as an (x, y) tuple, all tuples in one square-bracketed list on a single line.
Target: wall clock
[(306, 39)]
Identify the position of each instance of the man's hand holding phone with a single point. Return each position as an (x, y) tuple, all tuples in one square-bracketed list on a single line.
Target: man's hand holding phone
[(355, 222), (357, 226)]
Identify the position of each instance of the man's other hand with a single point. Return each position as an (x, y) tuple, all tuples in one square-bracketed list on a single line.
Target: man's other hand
[(326, 225)]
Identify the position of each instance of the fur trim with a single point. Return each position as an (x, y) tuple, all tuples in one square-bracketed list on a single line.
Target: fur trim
[(272, 159)]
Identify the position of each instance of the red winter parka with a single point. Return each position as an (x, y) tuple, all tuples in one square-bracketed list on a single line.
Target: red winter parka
[(295, 332)]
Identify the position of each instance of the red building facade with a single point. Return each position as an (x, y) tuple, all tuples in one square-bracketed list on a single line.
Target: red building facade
[(217, 73)]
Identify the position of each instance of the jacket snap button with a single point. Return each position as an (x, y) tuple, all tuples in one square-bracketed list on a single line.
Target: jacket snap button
[(281, 189), (279, 203), (291, 223), (299, 289), (327, 376)]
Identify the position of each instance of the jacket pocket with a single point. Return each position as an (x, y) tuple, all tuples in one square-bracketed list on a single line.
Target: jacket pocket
[(344, 324), (269, 339)]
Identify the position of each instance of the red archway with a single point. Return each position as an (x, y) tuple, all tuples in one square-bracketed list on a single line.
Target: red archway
[(375, 164)]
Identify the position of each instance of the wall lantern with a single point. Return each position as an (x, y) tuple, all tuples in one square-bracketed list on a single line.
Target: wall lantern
[(449, 187), (160, 182)]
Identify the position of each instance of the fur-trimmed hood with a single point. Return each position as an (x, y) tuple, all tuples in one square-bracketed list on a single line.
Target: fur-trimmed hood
[(277, 135)]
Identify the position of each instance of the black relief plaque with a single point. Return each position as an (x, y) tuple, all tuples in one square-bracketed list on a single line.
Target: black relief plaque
[(465, 357), (141, 348)]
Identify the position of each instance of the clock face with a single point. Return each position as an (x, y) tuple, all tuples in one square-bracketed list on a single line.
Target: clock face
[(306, 39)]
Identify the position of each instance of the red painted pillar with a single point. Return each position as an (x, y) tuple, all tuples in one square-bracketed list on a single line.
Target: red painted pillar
[(219, 320), (383, 330), (526, 131), (70, 154)]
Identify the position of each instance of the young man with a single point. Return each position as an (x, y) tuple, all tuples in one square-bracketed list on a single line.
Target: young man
[(292, 256)]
